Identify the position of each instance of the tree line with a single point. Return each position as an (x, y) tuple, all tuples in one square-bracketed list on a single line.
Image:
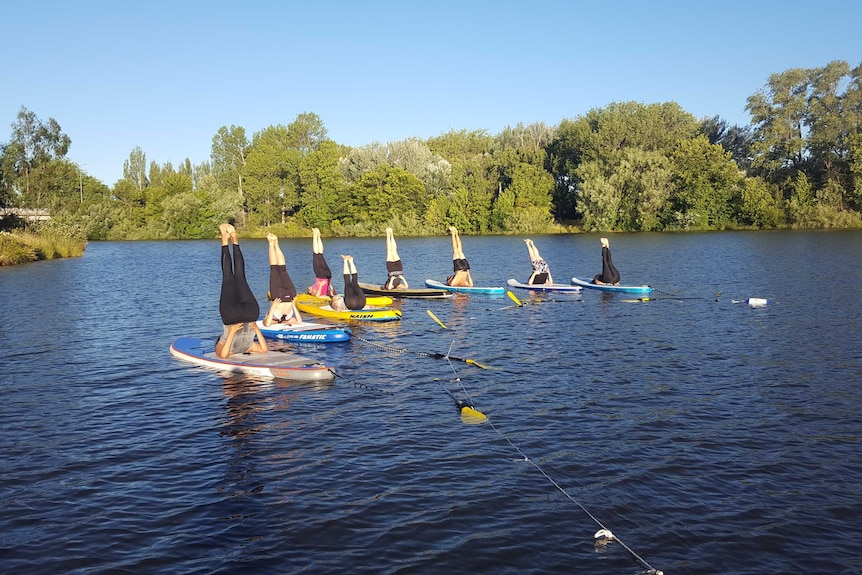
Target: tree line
[(626, 167)]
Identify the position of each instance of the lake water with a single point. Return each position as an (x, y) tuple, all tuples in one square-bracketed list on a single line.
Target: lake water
[(709, 436)]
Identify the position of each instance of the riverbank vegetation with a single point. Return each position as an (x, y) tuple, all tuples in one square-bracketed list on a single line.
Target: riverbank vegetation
[(628, 166), (20, 247)]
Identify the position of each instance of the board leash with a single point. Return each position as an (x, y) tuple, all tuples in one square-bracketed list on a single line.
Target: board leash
[(361, 385)]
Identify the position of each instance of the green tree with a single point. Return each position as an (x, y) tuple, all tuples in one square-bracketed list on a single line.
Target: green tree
[(135, 168), (271, 175), (707, 184), (778, 113), (601, 162), (229, 151), (466, 200), (384, 194), (735, 139), (33, 144), (758, 206), (323, 190)]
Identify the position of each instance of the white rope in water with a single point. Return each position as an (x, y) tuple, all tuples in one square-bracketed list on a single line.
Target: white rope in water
[(603, 532), (603, 535)]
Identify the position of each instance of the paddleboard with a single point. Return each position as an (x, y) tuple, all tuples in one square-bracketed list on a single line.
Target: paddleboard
[(319, 307), (272, 364), (305, 332), (423, 293), (601, 287), (512, 282), (466, 289), (374, 301)]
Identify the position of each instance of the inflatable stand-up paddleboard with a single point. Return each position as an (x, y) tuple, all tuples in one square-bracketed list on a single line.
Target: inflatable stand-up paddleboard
[(544, 287), (419, 293), (611, 288), (373, 301), (465, 289), (305, 332), (321, 308), (273, 364)]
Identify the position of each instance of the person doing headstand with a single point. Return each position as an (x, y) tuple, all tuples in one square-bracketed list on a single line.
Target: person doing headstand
[(609, 275), (281, 288), (354, 297), (394, 267), (238, 308), (460, 266), (541, 273), (322, 274)]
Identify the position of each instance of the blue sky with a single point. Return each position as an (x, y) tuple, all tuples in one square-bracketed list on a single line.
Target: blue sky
[(165, 76)]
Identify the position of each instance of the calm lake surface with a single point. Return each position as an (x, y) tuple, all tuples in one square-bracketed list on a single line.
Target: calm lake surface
[(709, 436)]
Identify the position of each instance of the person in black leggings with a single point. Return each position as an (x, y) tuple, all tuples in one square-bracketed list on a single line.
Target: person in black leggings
[(237, 306), (609, 275), (281, 288), (354, 297)]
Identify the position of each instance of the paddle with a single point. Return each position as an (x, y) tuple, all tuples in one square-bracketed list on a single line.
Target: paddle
[(657, 298), (435, 318), (514, 299), (469, 414), (446, 356)]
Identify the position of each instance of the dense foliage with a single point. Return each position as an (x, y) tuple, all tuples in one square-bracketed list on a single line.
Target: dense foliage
[(628, 167)]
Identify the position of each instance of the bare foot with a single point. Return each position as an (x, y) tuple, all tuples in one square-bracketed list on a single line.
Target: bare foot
[(271, 238)]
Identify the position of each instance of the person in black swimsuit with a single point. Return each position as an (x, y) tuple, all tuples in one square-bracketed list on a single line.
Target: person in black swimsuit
[(460, 266), (609, 275), (238, 307), (394, 267), (281, 288)]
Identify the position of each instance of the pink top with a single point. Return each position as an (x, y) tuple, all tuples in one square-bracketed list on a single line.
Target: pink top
[(321, 287)]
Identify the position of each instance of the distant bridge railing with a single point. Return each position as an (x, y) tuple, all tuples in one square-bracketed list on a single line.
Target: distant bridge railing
[(29, 214)]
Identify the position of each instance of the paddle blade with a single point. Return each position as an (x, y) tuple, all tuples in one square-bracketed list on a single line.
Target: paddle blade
[(477, 364), (472, 416), (514, 299), (435, 318)]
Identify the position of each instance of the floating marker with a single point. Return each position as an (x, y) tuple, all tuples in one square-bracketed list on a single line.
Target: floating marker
[(757, 302)]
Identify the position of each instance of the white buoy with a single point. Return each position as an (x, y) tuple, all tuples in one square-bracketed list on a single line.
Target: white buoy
[(757, 302)]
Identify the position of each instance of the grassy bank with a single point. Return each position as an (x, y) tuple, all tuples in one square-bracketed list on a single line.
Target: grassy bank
[(25, 247)]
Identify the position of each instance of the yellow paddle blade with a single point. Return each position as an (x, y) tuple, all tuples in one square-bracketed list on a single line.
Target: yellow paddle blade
[(435, 318), (636, 300), (472, 416), (514, 299), (477, 364)]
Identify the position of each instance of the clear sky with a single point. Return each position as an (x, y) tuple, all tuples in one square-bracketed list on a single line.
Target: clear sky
[(165, 76)]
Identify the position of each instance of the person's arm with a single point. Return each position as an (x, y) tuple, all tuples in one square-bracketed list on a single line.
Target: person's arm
[(269, 318), (258, 346), (223, 349), (296, 313)]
